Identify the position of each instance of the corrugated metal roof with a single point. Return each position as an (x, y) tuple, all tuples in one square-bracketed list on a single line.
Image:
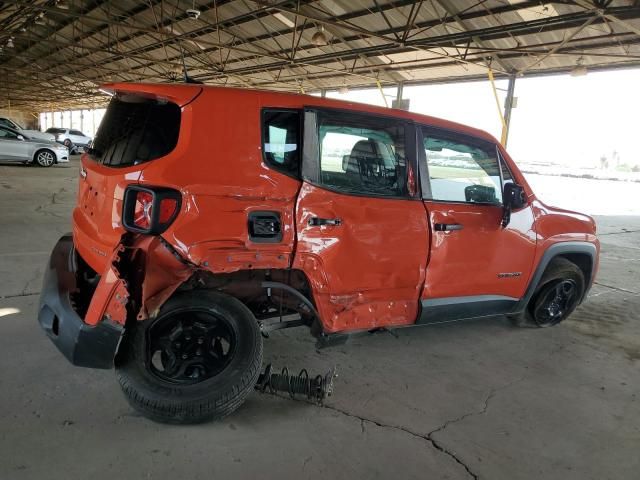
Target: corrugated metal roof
[(55, 53)]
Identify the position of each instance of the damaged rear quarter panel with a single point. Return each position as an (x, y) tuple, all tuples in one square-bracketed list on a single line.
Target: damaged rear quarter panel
[(222, 178)]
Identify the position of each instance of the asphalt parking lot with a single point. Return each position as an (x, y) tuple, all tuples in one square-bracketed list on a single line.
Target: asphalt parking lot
[(470, 400)]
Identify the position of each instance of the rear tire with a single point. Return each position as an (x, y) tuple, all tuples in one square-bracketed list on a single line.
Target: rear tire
[(174, 368), (558, 294), (44, 158)]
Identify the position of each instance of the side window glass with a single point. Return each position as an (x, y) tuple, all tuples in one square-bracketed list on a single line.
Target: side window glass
[(7, 134), (362, 155), (281, 140), (462, 169)]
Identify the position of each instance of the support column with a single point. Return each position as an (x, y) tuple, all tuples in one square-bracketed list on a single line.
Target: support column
[(508, 106), (400, 102)]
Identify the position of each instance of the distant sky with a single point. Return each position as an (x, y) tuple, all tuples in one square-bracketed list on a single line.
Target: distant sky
[(561, 119)]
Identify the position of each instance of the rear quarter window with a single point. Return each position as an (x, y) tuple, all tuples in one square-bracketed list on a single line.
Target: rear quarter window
[(281, 140), (135, 130)]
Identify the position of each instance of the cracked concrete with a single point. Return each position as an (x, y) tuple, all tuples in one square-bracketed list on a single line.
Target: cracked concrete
[(470, 400)]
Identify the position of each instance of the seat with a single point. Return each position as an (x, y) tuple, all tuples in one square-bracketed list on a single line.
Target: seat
[(362, 158)]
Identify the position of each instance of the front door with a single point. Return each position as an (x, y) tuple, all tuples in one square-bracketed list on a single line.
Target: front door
[(362, 233), (11, 147), (476, 266)]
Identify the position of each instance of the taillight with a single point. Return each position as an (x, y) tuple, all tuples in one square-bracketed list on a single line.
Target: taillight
[(149, 210)]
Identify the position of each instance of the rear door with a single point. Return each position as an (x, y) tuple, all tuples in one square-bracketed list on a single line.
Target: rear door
[(476, 266), (362, 234)]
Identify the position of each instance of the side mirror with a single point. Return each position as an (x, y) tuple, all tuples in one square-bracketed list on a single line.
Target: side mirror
[(514, 195), (513, 198), (20, 137)]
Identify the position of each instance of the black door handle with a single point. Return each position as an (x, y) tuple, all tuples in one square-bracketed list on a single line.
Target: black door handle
[(317, 222), (447, 227)]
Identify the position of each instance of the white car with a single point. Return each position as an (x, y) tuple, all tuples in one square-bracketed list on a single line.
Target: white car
[(70, 137), (17, 147), (6, 122)]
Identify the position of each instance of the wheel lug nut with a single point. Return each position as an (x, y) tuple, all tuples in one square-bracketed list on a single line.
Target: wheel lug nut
[(178, 345), (188, 337), (184, 356), (201, 340), (199, 352)]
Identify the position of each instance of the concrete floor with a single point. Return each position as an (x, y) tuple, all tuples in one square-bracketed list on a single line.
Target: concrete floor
[(477, 399)]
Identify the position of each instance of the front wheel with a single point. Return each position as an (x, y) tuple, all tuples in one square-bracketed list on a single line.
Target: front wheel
[(45, 158), (557, 296), (196, 361)]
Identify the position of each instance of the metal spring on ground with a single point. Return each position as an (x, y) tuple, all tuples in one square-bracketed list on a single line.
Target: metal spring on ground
[(317, 388)]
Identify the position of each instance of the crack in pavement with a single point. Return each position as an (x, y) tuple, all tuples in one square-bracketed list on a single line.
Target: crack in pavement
[(16, 295), (427, 438), (618, 233), (617, 288)]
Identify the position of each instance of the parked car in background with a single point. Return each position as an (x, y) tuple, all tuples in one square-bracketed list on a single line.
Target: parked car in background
[(74, 140), (18, 147), (6, 122)]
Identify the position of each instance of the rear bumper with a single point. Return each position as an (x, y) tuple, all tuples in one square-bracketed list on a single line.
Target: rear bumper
[(83, 345)]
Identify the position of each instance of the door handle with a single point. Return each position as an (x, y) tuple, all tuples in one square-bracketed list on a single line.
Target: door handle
[(318, 222), (447, 227)]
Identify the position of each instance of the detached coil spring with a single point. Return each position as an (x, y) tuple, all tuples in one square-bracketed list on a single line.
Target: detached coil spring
[(317, 388)]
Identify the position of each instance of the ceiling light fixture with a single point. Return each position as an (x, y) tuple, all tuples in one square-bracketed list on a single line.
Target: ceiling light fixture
[(319, 38), (579, 70), (343, 90), (193, 13), (10, 43)]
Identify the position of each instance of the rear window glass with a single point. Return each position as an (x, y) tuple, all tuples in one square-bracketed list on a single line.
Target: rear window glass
[(55, 130), (136, 130)]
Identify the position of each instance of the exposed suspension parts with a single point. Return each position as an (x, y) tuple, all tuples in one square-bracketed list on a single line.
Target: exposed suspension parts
[(315, 389)]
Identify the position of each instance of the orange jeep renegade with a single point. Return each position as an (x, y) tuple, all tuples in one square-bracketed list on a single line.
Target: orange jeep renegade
[(207, 217)]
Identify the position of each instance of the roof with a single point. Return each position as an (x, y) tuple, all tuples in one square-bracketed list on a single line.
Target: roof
[(55, 53), (185, 94)]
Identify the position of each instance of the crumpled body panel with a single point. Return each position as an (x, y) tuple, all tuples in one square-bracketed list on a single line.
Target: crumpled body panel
[(368, 271)]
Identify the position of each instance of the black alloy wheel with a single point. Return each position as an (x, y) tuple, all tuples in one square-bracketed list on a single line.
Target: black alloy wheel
[(555, 301), (196, 361), (189, 346)]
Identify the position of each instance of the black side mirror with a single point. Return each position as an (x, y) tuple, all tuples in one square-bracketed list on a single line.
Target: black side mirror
[(513, 198)]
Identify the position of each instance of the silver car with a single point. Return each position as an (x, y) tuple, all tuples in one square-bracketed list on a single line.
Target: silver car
[(70, 137), (17, 147), (6, 122)]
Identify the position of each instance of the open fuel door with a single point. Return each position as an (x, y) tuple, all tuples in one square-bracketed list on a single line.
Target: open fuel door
[(362, 232)]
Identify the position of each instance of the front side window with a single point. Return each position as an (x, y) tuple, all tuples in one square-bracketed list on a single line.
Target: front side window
[(462, 168), (7, 134), (362, 155), (281, 140), (76, 132)]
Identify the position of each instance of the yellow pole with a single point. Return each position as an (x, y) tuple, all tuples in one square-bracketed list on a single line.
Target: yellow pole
[(503, 137), (382, 93)]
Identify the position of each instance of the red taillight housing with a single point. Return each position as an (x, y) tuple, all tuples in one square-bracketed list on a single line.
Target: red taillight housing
[(149, 210)]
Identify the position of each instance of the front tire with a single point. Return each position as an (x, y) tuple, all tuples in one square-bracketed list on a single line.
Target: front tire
[(196, 361), (559, 293), (45, 158)]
